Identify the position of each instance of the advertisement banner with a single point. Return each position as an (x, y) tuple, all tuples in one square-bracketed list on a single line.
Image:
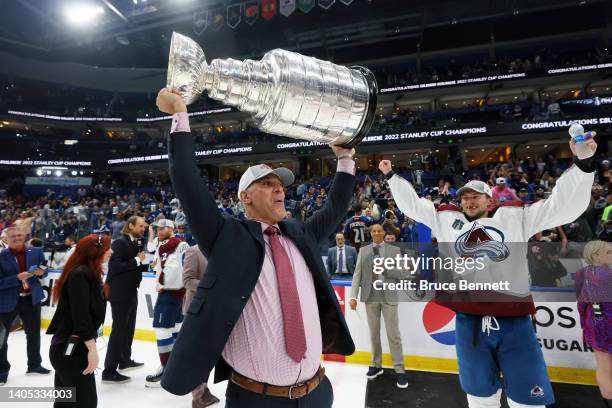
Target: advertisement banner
[(144, 317), (58, 181), (427, 332)]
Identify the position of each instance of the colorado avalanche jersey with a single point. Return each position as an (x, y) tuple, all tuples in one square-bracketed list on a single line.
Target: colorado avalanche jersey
[(500, 241)]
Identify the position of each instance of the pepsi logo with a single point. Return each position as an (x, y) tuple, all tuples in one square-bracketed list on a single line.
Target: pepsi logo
[(439, 323)]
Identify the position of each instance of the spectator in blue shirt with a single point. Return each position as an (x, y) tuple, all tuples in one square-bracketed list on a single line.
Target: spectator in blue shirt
[(410, 233)]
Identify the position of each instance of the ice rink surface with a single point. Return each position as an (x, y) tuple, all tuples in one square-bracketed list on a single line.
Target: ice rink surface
[(348, 380)]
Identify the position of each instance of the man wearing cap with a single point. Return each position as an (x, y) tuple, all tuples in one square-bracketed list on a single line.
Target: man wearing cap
[(494, 331), (503, 193), (167, 313), (264, 310)]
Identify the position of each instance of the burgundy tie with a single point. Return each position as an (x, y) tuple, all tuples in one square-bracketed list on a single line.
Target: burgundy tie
[(295, 339)]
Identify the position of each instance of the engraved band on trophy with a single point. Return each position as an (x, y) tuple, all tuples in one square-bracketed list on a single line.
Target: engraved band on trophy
[(288, 94)]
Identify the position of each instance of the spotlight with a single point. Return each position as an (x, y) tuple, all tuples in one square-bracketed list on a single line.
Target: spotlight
[(58, 173), (83, 13)]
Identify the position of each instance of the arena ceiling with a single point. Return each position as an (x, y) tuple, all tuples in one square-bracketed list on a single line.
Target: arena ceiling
[(136, 33)]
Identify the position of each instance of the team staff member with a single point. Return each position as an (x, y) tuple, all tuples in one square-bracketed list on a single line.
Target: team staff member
[(80, 312), (261, 333), (20, 295), (125, 270), (494, 331)]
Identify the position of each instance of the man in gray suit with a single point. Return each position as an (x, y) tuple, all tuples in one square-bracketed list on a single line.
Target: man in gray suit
[(379, 302), (194, 266), (341, 258)]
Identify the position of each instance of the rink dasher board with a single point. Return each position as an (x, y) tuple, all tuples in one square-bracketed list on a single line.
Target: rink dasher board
[(427, 332)]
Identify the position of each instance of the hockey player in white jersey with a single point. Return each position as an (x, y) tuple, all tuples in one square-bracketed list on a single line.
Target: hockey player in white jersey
[(168, 310), (494, 330)]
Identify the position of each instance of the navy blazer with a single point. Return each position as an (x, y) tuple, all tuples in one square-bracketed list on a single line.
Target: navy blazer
[(235, 250), (10, 285), (350, 256)]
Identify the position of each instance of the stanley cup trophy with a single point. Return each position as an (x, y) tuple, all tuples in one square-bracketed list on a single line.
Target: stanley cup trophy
[(288, 94)]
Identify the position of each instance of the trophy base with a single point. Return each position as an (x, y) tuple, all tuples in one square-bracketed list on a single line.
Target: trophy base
[(370, 115)]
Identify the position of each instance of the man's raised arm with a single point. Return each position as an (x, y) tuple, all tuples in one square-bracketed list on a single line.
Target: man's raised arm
[(198, 203)]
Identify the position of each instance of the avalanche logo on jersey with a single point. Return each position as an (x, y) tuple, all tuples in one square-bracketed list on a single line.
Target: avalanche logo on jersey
[(482, 241)]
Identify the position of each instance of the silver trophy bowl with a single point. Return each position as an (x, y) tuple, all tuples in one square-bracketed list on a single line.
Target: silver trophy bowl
[(288, 94)]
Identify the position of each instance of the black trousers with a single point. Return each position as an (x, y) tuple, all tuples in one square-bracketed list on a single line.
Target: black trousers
[(30, 317), (238, 397), (69, 373), (119, 349)]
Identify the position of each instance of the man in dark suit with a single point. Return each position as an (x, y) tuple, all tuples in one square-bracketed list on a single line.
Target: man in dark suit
[(20, 295), (341, 258), (125, 270), (247, 318)]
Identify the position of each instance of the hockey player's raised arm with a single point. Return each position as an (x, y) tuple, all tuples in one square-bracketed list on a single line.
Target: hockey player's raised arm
[(569, 199), (419, 209)]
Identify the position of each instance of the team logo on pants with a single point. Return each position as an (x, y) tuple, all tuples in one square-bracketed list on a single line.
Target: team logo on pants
[(537, 391)]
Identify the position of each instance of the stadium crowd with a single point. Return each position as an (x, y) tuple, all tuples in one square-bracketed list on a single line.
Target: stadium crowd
[(56, 221)]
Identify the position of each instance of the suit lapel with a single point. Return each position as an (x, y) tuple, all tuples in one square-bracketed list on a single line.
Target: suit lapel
[(300, 242), (13, 260), (254, 228), (334, 259), (369, 265)]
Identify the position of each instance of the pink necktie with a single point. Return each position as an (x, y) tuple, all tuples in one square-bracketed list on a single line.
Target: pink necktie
[(295, 338)]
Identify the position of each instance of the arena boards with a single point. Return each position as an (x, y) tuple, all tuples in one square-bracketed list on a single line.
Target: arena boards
[(427, 333)]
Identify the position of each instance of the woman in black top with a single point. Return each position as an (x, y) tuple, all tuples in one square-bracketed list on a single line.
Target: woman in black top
[(81, 308)]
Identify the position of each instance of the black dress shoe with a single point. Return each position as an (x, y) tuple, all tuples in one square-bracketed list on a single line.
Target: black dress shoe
[(114, 377), (130, 365), (40, 370)]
